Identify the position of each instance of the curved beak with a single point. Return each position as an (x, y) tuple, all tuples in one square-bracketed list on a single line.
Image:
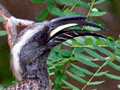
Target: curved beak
[(58, 31)]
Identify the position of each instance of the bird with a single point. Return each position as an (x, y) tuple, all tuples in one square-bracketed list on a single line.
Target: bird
[(30, 47)]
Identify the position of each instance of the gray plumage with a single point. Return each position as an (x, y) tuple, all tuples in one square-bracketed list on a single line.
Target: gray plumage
[(31, 47)]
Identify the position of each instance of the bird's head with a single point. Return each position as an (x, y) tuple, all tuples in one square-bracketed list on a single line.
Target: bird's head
[(33, 44)]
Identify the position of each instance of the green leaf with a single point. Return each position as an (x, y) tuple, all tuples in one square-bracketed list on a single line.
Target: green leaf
[(94, 39), (95, 83), (66, 53), (69, 13), (74, 28), (72, 59), (76, 77), (97, 12), (81, 3), (118, 51), (52, 73), (80, 40), (1, 19), (66, 87), (53, 9), (100, 42), (79, 50), (59, 77), (99, 2), (87, 58), (117, 44), (70, 85), (94, 54), (77, 71), (102, 49), (57, 87), (5, 85), (65, 2), (65, 44), (60, 67), (43, 14), (113, 65), (118, 41), (2, 33), (86, 62), (56, 11), (50, 6), (38, 1), (98, 22), (88, 41), (110, 38), (112, 76), (69, 41), (57, 48), (101, 73), (75, 43), (82, 70), (59, 2), (111, 44), (104, 65), (92, 28), (119, 86), (53, 56)]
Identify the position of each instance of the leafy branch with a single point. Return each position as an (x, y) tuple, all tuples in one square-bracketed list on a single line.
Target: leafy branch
[(59, 58)]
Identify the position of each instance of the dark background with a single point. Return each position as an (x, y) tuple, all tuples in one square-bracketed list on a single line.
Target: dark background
[(25, 9)]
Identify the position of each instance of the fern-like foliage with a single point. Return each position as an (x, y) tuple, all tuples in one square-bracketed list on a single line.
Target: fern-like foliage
[(88, 50)]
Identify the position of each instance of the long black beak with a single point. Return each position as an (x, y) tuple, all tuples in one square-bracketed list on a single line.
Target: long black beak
[(58, 29)]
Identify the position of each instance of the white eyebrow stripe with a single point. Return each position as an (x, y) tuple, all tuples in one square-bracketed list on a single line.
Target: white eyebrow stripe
[(59, 28)]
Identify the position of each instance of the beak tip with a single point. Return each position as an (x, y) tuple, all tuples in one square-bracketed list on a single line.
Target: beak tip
[(104, 29)]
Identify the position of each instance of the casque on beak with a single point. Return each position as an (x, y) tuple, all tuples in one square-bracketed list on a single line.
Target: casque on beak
[(59, 32)]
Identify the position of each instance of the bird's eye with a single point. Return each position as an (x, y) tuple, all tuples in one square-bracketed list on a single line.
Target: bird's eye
[(41, 37)]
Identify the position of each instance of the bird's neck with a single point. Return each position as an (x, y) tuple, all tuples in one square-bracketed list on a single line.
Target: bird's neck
[(37, 70)]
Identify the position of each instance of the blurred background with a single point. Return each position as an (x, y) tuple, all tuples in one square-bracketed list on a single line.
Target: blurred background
[(25, 9)]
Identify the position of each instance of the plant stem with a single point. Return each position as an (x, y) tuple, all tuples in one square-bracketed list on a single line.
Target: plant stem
[(91, 7), (73, 7), (64, 7), (89, 46), (69, 60), (93, 75)]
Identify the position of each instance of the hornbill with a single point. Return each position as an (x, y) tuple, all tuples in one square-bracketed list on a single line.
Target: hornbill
[(32, 45)]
